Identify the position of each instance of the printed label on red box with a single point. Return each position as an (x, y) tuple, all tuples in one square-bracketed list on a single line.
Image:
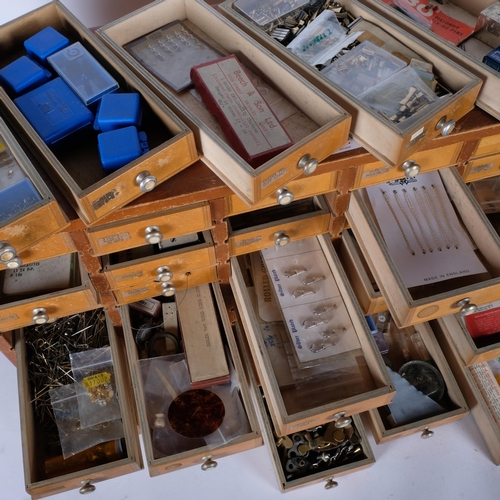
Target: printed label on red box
[(485, 322)]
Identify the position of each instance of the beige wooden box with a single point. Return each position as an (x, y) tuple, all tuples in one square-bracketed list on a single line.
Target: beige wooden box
[(204, 456), (379, 136), (290, 409), (23, 230), (318, 127), (33, 454), (489, 96), (406, 309), (77, 168)]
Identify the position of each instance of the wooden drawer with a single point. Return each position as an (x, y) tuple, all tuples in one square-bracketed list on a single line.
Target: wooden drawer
[(265, 228), (427, 160), (360, 276), (488, 145), (480, 407), (134, 232), (77, 166), (318, 127), (197, 456), (379, 136), (482, 168), (489, 96), (453, 401), (21, 229), (424, 303), (34, 452), (53, 246), (19, 312), (294, 408), (146, 270)]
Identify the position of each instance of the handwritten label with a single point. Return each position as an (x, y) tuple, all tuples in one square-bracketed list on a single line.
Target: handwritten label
[(273, 178), (105, 199), (114, 238), (249, 241)]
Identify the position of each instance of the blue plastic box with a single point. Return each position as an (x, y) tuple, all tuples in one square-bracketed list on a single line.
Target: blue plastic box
[(54, 110), (117, 111), (23, 74), (119, 147), (17, 198), (45, 43), (492, 59)]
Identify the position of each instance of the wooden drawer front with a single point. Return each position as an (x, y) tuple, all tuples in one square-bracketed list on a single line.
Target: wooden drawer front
[(482, 168), (430, 159), (77, 167), (486, 422), (318, 128), (286, 406), (259, 236), (383, 433), (360, 277), (197, 456), (33, 454), (489, 96), (379, 136), (132, 232), (180, 282), (303, 187), (405, 309), (53, 246), (488, 145)]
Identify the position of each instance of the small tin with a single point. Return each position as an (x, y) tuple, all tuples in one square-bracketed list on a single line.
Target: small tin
[(118, 110), (23, 74), (45, 43), (492, 59)]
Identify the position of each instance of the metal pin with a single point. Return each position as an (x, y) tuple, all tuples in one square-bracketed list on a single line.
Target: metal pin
[(300, 292), (309, 280), (290, 273), (312, 323), (319, 310)]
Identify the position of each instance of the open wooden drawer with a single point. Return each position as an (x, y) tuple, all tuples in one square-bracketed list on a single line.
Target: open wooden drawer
[(391, 144), (437, 298), (317, 125), (27, 299), (75, 163), (278, 225), (47, 474), (26, 201), (482, 168), (169, 460), (423, 351), (296, 398), (476, 394)]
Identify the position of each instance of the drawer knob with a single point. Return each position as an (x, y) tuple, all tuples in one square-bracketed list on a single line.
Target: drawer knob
[(153, 235), (40, 316), (87, 487), (164, 274), (411, 168), (284, 196), (308, 164), (168, 289), (466, 307), (445, 126), (209, 464), (281, 239), (146, 182), (13, 263), (7, 252), (330, 483), (427, 433)]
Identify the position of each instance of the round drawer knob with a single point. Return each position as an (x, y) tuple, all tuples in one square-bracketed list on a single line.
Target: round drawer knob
[(40, 316), (168, 289), (343, 422), (153, 235), (427, 433), (466, 307), (164, 274), (411, 168), (308, 164), (146, 182), (87, 487), (284, 196), (209, 464), (446, 126), (330, 483), (7, 252), (13, 263), (281, 239)]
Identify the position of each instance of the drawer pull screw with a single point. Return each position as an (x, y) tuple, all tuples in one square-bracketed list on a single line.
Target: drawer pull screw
[(330, 483), (87, 487), (146, 182), (40, 316), (446, 127), (281, 239), (13, 263), (167, 289), (466, 307), (285, 197), (164, 274), (308, 164), (411, 168), (427, 433), (209, 464), (153, 235)]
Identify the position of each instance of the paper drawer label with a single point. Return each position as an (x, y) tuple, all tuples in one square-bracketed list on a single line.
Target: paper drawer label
[(114, 238)]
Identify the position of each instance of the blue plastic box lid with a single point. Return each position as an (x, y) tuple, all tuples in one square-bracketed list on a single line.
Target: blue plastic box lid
[(17, 198), (119, 147), (118, 110), (492, 59), (78, 68), (23, 74), (45, 43), (54, 110)]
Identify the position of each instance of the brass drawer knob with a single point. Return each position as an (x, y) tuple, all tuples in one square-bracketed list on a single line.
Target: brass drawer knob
[(40, 316), (411, 168), (168, 289), (146, 182), (308, 164), (209, 464), (330, 483), (281, 239), (153, 235), (446, 126), (285, 197), (466, 307), (427, 433), (164, 274), (87, 487), (7, 252)]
